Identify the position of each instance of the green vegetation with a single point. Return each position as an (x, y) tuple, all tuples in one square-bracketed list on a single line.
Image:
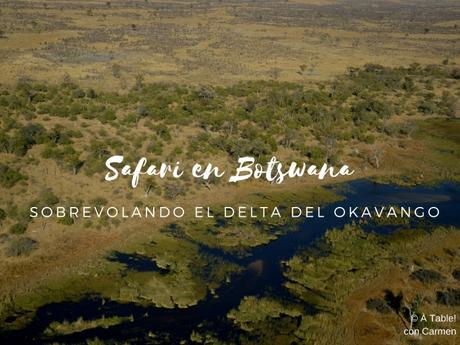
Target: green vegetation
[(327, 275), (63, 328), (8, 176), (326, 281), (18, 228), (254, 311), (252, 118)]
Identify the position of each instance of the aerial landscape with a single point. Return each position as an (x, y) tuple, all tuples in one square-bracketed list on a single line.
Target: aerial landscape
[(107, 106)]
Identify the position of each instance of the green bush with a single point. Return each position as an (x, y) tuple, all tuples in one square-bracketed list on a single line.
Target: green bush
[(9, 177), (66, 220), (108, 116), (2, 215), (316, 155), (163, 131), (18, 229), (427, 107)]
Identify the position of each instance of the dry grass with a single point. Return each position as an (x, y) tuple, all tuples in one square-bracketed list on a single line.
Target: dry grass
[(218, 42), (364, 326)]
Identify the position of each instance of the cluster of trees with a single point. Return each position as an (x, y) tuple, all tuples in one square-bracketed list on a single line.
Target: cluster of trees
[(253, 118), (247, 118), (80, 128), (250, 118)]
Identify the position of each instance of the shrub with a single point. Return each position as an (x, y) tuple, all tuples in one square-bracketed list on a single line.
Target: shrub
[(18, 229), (108, 116), (427, 276), (163, 131), (427, 107), (315, 154), (155, 147), (39, 97), (21, 246), (79, 93), (447, 104), (455, 73), (369, 139), (408, 84), (2, 215), (26, 137), (378, 305), (451, 297), (91, 93), (66, 220), (34, 133), (456, 274), (9, 177)]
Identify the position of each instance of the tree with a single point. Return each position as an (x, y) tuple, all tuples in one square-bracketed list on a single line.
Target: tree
[(26, 137)]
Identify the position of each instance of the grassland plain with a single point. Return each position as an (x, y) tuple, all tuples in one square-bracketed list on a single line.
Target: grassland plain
[(105, 44), (373, 85)]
